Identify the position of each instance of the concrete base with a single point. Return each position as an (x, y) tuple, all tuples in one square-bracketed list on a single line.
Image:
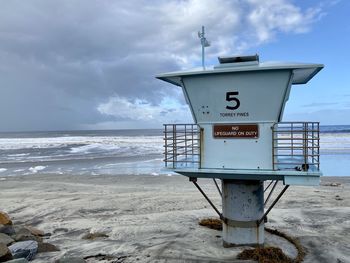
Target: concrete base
[(242, 205)]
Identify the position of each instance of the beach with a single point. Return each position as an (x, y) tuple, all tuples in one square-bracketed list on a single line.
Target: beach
[(150, 218)]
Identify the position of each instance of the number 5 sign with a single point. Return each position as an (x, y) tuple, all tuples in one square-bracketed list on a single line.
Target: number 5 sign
[(231, 96)]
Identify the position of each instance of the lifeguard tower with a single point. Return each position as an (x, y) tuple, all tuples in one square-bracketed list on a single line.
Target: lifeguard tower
[(238, 137)]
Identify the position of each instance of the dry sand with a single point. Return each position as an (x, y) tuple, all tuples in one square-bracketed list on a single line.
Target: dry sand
[(155, 218)]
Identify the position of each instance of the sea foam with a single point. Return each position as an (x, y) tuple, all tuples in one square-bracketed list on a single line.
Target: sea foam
[(37, 168)]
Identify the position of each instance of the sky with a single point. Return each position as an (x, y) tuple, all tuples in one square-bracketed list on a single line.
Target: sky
[(91, 64)]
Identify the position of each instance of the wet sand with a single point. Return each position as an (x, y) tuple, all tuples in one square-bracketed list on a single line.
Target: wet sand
[(155, 218)]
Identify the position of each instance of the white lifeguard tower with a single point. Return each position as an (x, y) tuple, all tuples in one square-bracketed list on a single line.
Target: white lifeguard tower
[(238, 137)]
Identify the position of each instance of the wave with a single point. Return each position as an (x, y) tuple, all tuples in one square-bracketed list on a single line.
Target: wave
[(36, 169), (331, 142), (335, 129), (95, 147), (57, 142), (77, 148), (111, 154)]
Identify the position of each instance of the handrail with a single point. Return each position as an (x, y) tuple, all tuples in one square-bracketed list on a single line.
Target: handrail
[(296, 144), (182, 145)]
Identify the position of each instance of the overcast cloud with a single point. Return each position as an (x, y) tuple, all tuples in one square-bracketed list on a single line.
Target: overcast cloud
[(77, 64)]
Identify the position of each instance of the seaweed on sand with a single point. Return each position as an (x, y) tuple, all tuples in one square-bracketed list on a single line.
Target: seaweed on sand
[(265, 255), (211, 223), (261, 254)]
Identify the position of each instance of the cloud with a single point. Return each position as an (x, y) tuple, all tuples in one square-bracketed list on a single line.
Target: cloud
[(270, 17), (76, 64), (139, 110), (320, 104)]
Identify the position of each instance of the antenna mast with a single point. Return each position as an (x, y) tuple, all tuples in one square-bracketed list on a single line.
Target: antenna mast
[(205, 43)]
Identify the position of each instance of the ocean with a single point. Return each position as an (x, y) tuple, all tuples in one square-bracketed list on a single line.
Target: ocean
[(125, 152)]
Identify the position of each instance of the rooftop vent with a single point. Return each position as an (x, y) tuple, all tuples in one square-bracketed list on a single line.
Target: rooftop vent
[(238, 61)]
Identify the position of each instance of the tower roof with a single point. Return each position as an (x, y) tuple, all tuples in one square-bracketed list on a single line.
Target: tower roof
[(302, 72)]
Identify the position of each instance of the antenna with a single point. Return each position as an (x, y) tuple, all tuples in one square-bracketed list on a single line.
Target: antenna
[(204, 43)]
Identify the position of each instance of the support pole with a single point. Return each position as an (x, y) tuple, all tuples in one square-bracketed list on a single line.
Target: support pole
[(268, 186), (273, 188), (202, 43), (243, 206), (194, 181), (272, 205), (217, 187)]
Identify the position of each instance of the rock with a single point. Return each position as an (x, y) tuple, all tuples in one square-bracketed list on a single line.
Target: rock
[(5, 253), (7, 229), (47, 247), (34, 231), (70, 260), (5, 219), (338, 198), (101, 257), (60, 229), (24, 249), (22, 230), (23, 234), (24, 237), (18, 260), (5, 239), (335, 184), (92, 236), (47, 235)]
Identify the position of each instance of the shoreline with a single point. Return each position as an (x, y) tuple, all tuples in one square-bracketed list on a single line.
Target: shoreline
[(152, 218)]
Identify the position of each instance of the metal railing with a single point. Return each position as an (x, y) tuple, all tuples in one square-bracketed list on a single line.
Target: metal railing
[(181, 145), (296, 146)]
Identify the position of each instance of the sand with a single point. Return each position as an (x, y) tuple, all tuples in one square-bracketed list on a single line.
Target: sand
[(155, 218)]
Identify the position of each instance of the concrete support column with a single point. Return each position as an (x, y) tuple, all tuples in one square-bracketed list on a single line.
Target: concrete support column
[(242, 205)]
